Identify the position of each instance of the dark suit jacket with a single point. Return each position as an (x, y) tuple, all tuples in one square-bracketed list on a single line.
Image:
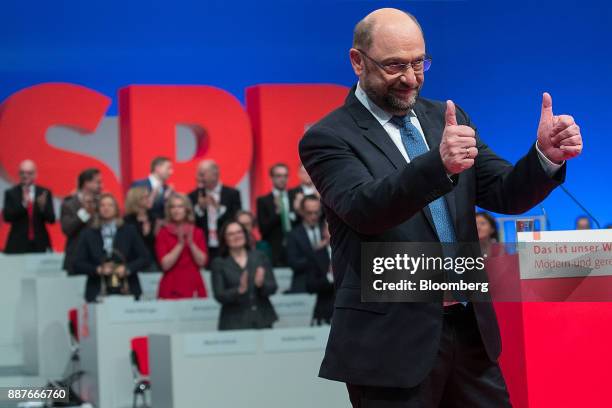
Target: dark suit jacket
[(72, 226), (149, 239), (158, 205), (229, 197), (310, 271), (16, 214), (301, 257), (370, 193), (90, 253), (251, 309), (271, 228)]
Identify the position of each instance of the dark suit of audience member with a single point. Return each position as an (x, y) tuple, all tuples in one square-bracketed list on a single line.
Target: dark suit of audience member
[(249, 310), (271, 225), (320, 281), (242, 281), (229, 204), (148, 239), (73, 219), (28, 219), (91, 253), (157, 210), (161, 170), (303, 255)]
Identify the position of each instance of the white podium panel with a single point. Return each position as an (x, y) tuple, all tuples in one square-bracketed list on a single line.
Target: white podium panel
[(105, 338), (46, 341), (283, 278), (13, 269), (274, 368), (105, 341)]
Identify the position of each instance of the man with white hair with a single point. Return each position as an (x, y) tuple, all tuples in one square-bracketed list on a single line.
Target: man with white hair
[(213, 203), (28, 208)]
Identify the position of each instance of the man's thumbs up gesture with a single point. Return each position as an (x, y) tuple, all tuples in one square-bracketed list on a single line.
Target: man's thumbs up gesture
[(558, 136), (458, 145)]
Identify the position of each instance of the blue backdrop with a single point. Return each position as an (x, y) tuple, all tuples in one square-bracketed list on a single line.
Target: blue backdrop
[(493, 58)]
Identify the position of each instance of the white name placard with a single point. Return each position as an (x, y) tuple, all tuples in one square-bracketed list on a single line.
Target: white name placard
[(217, 343), (302, 339)]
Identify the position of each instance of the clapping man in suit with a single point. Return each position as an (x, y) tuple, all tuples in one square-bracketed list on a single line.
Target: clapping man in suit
[(306, 245), (213, 204), (77, 212), (308, 254), (276, 215), (156, 183), (28, 208), (392, 166)]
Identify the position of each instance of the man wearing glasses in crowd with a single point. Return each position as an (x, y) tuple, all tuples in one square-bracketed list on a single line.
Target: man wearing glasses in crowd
[(394, 167), (276, 215)]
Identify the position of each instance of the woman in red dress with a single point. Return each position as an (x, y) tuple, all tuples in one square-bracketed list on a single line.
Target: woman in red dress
[(181, 251)]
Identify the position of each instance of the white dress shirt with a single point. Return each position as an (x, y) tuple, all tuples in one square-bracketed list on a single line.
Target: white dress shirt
[(31, 194), (156, 184), (213, 214)]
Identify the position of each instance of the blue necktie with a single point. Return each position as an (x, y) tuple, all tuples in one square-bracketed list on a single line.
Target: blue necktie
[(414, 143), (415, 146)]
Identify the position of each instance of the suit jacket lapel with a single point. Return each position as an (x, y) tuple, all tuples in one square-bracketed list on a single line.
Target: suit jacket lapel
[(433, 130), (98, 245), (373, 131), (306, 244), (377, 135)]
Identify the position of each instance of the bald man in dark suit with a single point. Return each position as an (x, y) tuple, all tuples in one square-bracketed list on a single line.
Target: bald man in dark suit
[(394, 167)]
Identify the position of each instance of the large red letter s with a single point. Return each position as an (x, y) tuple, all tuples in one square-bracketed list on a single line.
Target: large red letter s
[(25, 117)]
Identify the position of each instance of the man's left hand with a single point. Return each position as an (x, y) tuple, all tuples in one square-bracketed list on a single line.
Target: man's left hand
[(559, 137)]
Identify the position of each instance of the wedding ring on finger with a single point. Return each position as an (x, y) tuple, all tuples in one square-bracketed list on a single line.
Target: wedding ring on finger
[(467, 153)]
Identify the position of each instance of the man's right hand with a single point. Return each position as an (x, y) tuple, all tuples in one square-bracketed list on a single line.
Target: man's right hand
[(458, 147), (244, 282), (88, 202)]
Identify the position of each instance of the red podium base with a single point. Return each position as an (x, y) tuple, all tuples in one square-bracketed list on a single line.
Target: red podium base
[(557, 354)]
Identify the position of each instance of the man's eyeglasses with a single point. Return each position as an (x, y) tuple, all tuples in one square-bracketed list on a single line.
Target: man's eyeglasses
[(418, 66)]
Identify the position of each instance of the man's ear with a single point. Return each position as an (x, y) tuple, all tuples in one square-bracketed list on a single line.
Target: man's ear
[(356, 61)]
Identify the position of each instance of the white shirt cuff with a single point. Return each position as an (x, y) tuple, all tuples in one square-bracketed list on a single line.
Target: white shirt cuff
[(549, 167), (198, 211), (83, 215)]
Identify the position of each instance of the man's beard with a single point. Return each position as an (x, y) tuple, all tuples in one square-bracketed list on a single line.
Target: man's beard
[(397, 104), (390, 102)]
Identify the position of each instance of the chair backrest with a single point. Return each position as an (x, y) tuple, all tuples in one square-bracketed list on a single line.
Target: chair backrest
[(140, 354), (73, 323)]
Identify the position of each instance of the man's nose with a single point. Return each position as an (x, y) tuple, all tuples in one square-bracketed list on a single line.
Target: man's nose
[(409, 78)]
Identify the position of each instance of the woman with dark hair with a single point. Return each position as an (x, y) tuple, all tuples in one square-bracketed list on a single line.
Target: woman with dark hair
[(242, 281), (487, 234), (181, 251), (110, 253)]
